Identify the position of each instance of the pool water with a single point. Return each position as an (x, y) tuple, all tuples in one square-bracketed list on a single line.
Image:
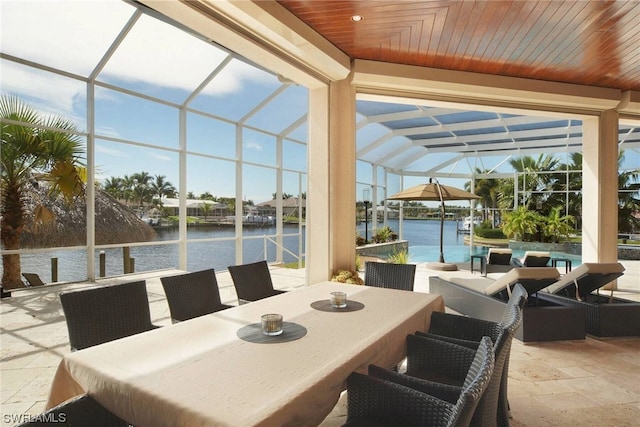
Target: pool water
[(458, 253)]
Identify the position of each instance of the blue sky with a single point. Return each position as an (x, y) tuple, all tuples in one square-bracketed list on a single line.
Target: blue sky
[(160, 61)]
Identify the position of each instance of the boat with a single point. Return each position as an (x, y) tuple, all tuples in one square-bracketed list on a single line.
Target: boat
[(466, 224)]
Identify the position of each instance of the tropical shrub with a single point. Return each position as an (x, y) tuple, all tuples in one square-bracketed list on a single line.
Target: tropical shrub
[(347, 276), (383, 235), (399, 257), (522, 224), (558, 225)]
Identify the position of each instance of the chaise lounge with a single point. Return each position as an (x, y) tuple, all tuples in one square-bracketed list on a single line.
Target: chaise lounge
[(532, 259), (606, 316), (485, 298)]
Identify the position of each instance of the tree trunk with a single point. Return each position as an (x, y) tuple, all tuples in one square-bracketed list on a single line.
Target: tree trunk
[(11, 227)]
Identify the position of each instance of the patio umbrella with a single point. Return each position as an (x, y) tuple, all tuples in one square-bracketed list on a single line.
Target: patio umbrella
[(438, 192)]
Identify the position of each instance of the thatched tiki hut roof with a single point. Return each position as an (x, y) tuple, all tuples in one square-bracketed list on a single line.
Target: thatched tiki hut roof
[(114, 222)]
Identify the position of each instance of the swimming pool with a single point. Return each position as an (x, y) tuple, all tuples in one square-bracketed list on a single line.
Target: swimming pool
[(422, 253)]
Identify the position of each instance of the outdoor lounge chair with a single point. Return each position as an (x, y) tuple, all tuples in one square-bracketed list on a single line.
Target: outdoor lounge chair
[(498, 260), (98, 315), (80, 411), (386, 398), (532, 279), (606, 315), (532, 259), (485, 298), (192, 295), (388, 275), (33, 279), (252, 281), (468, 332)]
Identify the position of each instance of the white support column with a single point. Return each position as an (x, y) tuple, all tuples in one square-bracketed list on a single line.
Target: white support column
[(331, 198), (600, 188)]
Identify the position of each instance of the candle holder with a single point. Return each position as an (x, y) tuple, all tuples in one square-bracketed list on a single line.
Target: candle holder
[(272, 324)]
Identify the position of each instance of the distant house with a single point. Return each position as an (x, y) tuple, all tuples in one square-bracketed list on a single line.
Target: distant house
[(194, 207), (290, 207)]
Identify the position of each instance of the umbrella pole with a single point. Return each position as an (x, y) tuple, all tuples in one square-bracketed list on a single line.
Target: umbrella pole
[(441, 230), (441, 219)]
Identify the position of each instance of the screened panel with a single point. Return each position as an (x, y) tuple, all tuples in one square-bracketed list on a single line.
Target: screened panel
[(162, 61), (210, 136), (69, 36), (137, 119)]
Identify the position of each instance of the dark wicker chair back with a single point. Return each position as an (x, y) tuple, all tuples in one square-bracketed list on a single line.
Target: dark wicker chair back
[(192, 295), (33, 279), (388, 398), (499, 256), (467, 331), (98, 315), (391, 276), (252, 281), (81, 411)]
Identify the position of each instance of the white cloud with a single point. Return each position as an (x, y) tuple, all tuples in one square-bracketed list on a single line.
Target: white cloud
[(162, 157), (74, 35), (253, 145), (112, 152)]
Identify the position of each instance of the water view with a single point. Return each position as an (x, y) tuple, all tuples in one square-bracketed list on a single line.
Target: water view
[(423, 237)]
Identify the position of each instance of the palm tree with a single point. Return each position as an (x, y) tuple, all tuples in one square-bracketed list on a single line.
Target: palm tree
[(488, 190), (115, 187), (34, 148), (141, 188), (161, 188), (531, 183)]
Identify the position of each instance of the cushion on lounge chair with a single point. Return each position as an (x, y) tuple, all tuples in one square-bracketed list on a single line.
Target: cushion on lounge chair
[(587, 278), (533, 259), (533, 280)]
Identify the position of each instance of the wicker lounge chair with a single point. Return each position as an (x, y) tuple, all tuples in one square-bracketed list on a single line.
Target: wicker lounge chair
[(32, 279), (606, 315), (391, 276), (485, 298), (498, 260), (80, 411), (467, 332), (192, 295), (532, 279), (532, 259), (98, 315), (252, 281), (393, 400)]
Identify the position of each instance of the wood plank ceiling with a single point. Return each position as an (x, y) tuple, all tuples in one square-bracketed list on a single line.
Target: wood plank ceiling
[(594, 43)]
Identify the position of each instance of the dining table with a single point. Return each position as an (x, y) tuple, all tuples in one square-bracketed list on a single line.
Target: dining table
[(204, 372)]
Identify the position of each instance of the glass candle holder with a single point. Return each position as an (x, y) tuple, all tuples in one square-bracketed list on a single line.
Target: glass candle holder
[(338, 299), (272, 324)]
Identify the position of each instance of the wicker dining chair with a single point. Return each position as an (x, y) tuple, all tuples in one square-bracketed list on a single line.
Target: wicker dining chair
[(387, 398), (192, 295), (252, 281), (388, 275), (80, 411), (468, 331), (98, 315)]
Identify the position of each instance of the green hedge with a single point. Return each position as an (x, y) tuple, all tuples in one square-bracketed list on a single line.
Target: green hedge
[(489, 233)]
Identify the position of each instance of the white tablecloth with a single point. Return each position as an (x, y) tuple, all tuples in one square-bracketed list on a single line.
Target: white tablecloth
[(199, 373)]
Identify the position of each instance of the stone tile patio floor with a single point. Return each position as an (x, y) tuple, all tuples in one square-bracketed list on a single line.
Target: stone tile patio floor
[(595, 382)]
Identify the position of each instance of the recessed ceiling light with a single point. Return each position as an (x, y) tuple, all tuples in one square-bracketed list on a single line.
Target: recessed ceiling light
[(357, 18)]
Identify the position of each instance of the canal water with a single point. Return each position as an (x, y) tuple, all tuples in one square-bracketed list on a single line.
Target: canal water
[(423, 237)]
